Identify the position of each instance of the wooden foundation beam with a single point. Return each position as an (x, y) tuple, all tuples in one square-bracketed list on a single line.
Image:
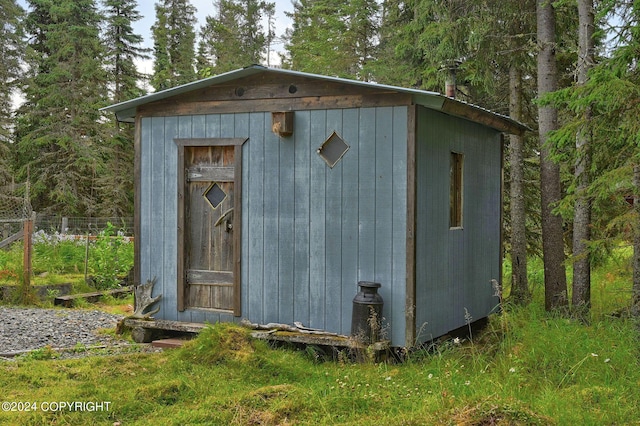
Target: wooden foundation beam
[(143, 331)]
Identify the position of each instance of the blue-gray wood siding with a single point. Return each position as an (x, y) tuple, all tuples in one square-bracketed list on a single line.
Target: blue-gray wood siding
[(309, 233), (454, 267)]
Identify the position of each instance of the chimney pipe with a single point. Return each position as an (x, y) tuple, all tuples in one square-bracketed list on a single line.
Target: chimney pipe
[(450, 84), (451, 89)]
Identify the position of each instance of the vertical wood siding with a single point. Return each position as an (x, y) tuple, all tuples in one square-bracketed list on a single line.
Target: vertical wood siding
[(454, 267), (309, 233)]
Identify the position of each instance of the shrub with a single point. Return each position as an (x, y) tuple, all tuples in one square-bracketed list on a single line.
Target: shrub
[(110, 258)]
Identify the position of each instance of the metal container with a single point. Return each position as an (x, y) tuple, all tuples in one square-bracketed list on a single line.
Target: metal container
[(366, 317)]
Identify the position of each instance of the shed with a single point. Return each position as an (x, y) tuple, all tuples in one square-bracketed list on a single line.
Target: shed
[(267, 194)]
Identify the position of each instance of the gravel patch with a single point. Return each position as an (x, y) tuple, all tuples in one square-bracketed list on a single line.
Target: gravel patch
[(27, 329)]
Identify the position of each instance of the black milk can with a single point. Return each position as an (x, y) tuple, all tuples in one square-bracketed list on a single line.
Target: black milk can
[(366, 318)]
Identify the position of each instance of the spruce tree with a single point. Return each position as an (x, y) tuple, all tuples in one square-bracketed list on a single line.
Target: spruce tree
[(487, 47), (59, 132), (605, 107), (123, 47), (555, 279), (173, 44), (332, 37), (423, 42), (234, 37), (623, 88), (400, 58), (581, 295), (501, 60), (11, 53)]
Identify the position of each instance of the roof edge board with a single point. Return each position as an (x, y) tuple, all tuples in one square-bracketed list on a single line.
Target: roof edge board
[(431, 101), (172, 91), (126, 111), (483, 116), (127, 116)]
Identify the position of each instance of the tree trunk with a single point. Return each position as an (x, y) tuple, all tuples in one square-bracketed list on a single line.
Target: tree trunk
[(581, 296), (555, 280), (519, 284)]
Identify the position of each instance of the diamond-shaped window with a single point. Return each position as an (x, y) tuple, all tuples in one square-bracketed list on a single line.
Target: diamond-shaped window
[(333, 149), (215, 195)]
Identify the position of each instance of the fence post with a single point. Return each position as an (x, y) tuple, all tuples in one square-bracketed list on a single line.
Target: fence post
[(27, 256), (64, 226), (86, 258)]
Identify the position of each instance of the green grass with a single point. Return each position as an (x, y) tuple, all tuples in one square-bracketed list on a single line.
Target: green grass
[(526, 367)]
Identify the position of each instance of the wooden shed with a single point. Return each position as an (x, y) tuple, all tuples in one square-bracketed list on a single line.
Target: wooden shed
[(268, 194)]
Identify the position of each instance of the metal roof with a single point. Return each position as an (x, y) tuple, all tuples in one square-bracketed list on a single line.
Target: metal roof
[(126, 111)]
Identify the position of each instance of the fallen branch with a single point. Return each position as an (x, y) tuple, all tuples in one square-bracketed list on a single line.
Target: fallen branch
[(272, 327)]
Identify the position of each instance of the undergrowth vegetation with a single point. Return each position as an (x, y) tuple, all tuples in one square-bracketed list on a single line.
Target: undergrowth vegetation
[(527, 367), (59, 258)]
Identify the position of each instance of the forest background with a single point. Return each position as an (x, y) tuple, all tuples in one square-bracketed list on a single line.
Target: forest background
[(568, 69)]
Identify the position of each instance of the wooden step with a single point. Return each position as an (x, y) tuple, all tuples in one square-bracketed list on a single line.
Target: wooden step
[(67, 301), (185, 327), (168, 343), (146, 331)]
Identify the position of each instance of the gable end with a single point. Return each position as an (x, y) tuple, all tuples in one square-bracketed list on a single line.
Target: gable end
[(274, 92)]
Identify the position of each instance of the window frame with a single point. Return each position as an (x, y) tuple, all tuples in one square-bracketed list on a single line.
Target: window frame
[(456, 190)]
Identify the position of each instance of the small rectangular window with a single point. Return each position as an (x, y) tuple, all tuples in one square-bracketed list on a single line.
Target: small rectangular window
[(456, 190)]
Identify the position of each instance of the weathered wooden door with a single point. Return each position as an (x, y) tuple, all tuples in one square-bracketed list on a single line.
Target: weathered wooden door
[(210, 224)]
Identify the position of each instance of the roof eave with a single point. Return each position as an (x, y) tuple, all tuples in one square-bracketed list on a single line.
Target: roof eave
[(483, 116), (126, 111)]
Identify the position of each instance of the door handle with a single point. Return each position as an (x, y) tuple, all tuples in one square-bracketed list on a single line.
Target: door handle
[(225, 218)]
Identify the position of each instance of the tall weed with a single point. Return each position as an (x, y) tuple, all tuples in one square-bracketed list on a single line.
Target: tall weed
[(110, 258)]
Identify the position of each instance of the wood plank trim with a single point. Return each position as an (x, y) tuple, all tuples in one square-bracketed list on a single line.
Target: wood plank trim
[(209, 284), (237, 232), (204, 277), (279, 87), (137, 140), (210, 141), (482, 116), (182, 288), (410, 303), (211, 174), (502, 149), (168, 107)]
